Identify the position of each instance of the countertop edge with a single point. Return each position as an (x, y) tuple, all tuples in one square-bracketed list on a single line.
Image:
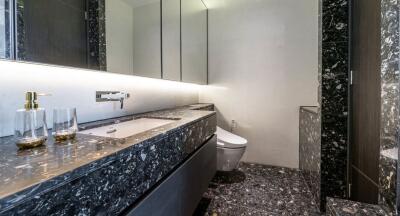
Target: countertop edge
[(310, 109)]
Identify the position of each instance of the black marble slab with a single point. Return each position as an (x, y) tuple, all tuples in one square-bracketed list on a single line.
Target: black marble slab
[(333, 96), (97, 58), (94, 175), (310, 150), (390, 102), (7, 27), (21, 34), (341, 207)]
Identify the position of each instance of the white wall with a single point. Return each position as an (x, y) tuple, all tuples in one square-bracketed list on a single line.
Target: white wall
[(76, 88), (263, 65), (119, 36)]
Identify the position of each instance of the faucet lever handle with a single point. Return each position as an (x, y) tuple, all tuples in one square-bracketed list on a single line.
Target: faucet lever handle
[(122, 102), (102, 96)]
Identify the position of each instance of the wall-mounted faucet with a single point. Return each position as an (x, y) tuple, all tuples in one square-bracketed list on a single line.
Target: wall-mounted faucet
[(104, 96)]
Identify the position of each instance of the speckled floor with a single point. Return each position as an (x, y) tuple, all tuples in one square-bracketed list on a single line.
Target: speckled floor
[(257, 190)]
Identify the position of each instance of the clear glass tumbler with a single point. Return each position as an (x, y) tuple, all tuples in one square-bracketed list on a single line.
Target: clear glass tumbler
[(30, 128), (65, 124)]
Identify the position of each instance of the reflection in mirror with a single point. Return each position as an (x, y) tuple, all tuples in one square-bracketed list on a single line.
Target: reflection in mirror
[(171, 39), (5, 48), (194, 41), (133, 37), (120, 36), (55, 32), (2, 29), (146, 38)]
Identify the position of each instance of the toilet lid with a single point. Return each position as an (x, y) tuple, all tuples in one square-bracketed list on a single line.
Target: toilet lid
[(229, 140)]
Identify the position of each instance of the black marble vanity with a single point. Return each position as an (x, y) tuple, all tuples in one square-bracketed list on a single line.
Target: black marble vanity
[(96, 175)]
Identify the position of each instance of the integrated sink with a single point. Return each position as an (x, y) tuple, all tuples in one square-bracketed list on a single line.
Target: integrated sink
[(128, 128)]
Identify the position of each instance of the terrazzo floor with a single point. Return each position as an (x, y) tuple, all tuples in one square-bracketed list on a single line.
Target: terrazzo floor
[(257, 190)]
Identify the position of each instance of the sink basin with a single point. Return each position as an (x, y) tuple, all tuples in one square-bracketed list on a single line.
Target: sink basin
[(128, 128)]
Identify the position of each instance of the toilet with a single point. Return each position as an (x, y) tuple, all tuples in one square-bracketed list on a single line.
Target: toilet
[(230, 149)]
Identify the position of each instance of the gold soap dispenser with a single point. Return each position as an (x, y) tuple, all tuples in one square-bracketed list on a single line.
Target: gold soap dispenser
[(30, 123)]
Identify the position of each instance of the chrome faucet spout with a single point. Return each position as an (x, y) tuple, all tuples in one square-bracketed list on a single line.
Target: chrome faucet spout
[(105, 96)]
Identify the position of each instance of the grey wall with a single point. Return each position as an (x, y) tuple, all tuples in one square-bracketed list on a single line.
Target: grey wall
[(263, 64)]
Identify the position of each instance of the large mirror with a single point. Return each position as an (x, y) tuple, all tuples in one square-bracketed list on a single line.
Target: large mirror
[(152, 38), (5, 31), (194, 41), (133, 37), (171, 39)]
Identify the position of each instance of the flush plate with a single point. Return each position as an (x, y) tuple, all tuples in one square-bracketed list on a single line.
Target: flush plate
[(128, 128)]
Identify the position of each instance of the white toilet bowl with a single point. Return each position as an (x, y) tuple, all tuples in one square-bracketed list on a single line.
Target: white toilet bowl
[(230, 149)]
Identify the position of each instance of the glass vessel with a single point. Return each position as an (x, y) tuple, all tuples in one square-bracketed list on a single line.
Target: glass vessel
[(65, 124), (30, 128)]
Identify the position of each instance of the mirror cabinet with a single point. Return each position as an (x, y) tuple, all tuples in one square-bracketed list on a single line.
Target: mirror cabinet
[(165, 39), (194, 41), (171, 39)]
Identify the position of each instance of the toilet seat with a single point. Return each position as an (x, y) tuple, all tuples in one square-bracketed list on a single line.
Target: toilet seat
[(226, 139)]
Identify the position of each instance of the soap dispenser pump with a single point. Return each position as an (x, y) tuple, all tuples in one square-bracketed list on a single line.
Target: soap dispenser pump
[(30, 123)]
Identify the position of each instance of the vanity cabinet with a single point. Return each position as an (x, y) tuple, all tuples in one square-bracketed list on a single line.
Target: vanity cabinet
[(156, 172), (180, 193)]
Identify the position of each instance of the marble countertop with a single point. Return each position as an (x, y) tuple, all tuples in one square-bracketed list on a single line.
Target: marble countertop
[(312, 109), (34, 170)]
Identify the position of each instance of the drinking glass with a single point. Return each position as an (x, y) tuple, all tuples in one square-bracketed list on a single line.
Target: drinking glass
[(65, 124)]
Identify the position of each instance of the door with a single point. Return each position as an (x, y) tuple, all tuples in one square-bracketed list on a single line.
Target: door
[(365, 104)]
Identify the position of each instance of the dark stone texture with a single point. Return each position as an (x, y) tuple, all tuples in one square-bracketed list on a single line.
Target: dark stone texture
[(340, 207), (335, 21), (20, 31), (97, 35), (7, 30), (388, 172), (93, 175), (258, 190), (333, 97)]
